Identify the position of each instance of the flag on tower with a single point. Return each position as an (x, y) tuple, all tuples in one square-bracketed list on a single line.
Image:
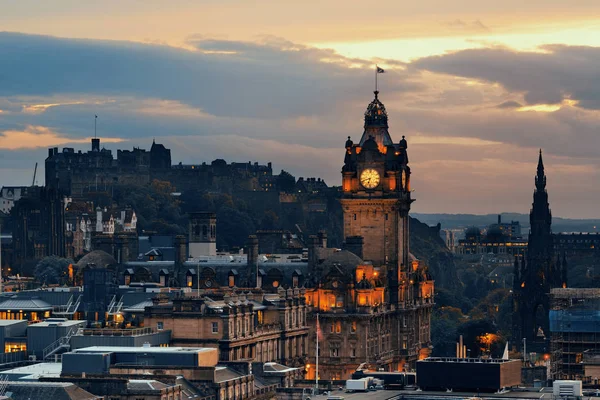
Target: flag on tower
[(380, 70)]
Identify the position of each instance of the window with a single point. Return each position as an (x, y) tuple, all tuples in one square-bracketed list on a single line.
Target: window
[(331, 301), (215, 327), (295, 281), (339, 302), (334, 349), (353, 329), (231, 280), (338, 327), (355, 217), (352, 352), (159, 325)]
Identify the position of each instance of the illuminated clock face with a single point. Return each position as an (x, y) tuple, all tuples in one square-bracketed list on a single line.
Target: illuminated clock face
[(369, 178)]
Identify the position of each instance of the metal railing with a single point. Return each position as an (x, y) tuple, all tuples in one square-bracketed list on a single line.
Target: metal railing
[(63, 342)]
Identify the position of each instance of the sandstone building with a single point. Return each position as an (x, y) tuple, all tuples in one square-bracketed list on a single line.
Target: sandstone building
[(373, 299)]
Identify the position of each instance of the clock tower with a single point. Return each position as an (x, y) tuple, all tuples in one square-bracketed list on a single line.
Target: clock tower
[(376, 196)]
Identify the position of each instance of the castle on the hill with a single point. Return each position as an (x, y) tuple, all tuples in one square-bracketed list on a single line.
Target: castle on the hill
[(80, 173)]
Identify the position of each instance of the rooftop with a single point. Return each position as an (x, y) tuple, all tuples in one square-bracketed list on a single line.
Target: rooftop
[(57, 323), (35, 371), (9, 322), (121, 349), (145, 384), (467, 360), (30, 304)]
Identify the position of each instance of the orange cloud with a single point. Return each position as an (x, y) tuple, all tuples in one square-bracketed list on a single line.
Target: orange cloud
[(40, 108), (40, 136)]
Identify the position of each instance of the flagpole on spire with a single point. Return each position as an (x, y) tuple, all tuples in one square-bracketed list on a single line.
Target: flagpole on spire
[(377, 71), (95, 123)]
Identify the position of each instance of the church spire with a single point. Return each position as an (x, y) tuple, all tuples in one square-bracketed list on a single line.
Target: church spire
[(540, 179)]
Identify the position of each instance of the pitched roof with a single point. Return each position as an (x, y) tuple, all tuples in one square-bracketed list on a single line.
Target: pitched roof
[(139, 307), (26, 304), (223, 374), (145, 384), (47, 390)]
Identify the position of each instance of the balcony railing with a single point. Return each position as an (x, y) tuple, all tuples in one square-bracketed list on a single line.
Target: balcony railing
[(115, 332)]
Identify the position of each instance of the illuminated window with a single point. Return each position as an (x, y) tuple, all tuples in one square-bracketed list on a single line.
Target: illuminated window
[(331, 301), (260, 317), (339, 302), (338, 327), (275, 283), (231, 280), (190, 280), (353, 329)]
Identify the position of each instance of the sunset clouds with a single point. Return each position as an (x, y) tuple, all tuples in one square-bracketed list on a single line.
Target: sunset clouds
[(476, 88)]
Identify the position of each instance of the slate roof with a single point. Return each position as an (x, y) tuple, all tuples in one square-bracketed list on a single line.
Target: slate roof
[(30, 304), (223, 374), (143, 384), (47, 390), (139, 307)]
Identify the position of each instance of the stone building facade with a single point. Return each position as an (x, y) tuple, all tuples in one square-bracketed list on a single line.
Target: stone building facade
[(245, 325)]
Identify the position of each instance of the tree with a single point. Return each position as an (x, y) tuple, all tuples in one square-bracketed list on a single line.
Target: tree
[(52, 270)]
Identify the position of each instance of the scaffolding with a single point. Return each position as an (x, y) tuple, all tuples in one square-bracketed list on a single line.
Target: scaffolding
[(575, 327)]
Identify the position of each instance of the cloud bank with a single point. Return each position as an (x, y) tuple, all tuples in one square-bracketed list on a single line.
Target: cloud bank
[(474, 119)]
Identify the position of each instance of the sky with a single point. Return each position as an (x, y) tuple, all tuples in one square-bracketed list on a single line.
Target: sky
[(477, 87)]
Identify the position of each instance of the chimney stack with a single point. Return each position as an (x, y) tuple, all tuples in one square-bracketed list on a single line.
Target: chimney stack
[(322, 239), (252, 251)]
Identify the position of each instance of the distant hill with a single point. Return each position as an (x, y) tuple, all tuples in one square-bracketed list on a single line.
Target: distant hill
[(458, 221)]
